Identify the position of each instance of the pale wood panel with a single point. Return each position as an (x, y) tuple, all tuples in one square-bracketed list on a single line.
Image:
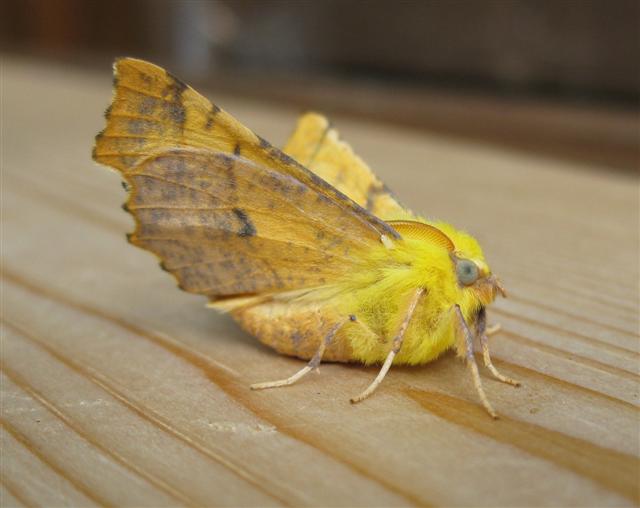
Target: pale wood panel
[(9, 498), (95, 472), (111, 424), (139, 384), (30, 478)]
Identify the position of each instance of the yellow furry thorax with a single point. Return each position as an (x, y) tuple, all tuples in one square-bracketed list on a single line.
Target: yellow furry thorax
[(377, 293)]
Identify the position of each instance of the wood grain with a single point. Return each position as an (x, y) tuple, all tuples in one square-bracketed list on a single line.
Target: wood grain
[(118, 389)]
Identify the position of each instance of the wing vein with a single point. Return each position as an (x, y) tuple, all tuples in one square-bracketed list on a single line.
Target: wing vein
[(266, 238), (120, 84), (324, 225)]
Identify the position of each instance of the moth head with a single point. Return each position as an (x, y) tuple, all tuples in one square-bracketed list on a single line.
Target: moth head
[(471, 271), (474, 274)]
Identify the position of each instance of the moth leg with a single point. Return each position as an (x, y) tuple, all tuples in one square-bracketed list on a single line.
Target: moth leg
[(493, 329), (312, 364), (397, 344), (481, 324), (471, 362)]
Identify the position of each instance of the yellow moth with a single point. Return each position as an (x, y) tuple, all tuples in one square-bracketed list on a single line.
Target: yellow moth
[(305, 247)]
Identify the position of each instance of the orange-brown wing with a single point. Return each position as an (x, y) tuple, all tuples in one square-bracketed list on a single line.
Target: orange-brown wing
[(317, 146), (153, 110), (228, 226), (227, 213)]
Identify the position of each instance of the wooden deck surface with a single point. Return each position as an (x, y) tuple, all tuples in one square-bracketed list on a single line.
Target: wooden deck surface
[(118, 389)]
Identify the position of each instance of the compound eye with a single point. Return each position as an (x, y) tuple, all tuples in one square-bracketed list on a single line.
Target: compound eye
[(467, 272)]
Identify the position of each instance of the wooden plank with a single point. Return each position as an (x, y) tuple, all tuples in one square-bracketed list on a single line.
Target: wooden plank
[(121, 390), (28, 477), (9, 498)]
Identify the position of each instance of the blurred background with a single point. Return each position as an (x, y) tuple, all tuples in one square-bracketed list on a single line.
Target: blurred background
[(558, 78)]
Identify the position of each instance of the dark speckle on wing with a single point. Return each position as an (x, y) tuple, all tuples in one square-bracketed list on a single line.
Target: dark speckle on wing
[(246, 226)]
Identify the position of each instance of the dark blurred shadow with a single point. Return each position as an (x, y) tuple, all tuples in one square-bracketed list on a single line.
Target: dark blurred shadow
[(560, 77)]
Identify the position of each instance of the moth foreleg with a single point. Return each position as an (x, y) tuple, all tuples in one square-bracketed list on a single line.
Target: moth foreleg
[(397, 344), (481, 331), (471, 361), (312, 364), (493, 329)]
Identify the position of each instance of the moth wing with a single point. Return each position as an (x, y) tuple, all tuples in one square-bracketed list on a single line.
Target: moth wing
[(226, 226), (227, 213), (317, 146), (152, 111)]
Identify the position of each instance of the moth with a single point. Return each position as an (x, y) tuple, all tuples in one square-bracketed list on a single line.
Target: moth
[(304, 247)]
